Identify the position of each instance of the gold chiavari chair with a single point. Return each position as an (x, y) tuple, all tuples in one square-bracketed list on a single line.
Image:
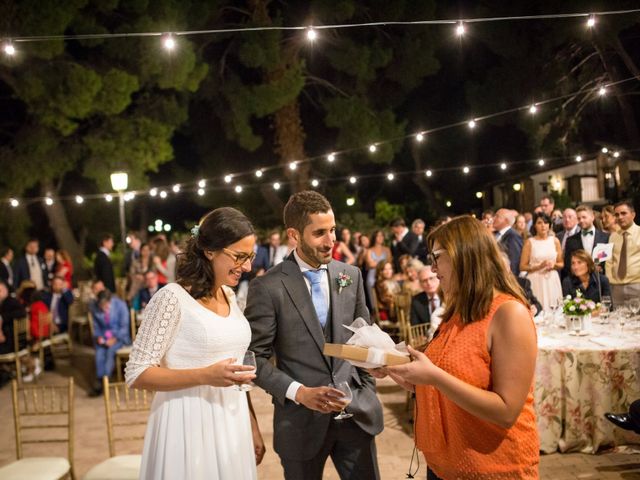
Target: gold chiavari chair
[(40, 413), (20, 331), (123, 407), (402, 305), (418, 336), (122, 355), (59, 343), (79, 318)]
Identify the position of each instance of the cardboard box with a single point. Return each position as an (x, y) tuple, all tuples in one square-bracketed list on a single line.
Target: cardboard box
[(362, 354)]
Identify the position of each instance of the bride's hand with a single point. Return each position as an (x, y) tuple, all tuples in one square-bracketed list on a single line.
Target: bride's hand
[(226, 373)]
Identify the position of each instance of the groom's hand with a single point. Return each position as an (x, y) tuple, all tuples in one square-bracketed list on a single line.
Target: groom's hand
[(320, 399)]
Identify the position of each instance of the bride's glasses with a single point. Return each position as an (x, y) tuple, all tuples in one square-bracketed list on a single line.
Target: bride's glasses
[(239, 258)]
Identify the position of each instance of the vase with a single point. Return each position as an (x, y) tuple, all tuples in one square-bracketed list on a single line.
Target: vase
[(578, 324)]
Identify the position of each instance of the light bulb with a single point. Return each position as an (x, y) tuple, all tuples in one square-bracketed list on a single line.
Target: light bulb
[(168, 42), (311, 34), (460, 29), (465, 170), (533, 109), (352, 180), (163, 194), (428, 173), (616, 154), (153, 192), (202, 183), (390, 176), (293, 166), (227, 178), (315, 183), (541, 162), (48, 201), (201, 191), (605, 150), (479, 195), (373, 148), (14, 202), (276, 186), (578, 158), (420, 137), (472, 124), (176, 188), (238, 189), (331, 157), (9, 49), (79, 199), (591, 21), (258, 173), (503, 166), (108, 197), (448, 204), (602, 91)]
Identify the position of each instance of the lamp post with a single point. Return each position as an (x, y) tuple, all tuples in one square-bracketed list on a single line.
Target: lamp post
[(119, 182)]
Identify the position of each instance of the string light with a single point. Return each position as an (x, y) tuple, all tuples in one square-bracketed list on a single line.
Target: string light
[(533, 109), (602, 91), (465, 170), (578, 158), (168, 42), (428, 173), (228, 178), (591, 22), (276, 186), (238, 189), (331, 157), (420, 137), (153, 192), (605, 150), (373, 147), (390, 176), (293, 166), (202, 183), (129, 196), (163, 194), (79, 199), (541, 162), (616, 154), (460, 29), (471, 124), (48, 201), (108, 197), (479, 195), (448, 204), (14, 203), (9, 49), (258, 173), (311, 34), (517, 187), (201, 191), (503, 166), (176, 188), (351, 201), (352, 180), (315, 183)]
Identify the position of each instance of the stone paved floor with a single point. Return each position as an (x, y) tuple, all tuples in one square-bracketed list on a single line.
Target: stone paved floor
[(394, 444)]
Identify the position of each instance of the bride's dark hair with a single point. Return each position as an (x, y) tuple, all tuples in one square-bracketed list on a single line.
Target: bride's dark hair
[(217, 229)]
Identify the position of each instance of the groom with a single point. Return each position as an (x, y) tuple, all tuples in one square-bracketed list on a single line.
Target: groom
[(293, 310)]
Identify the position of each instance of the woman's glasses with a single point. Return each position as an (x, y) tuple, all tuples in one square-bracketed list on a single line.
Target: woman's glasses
[(433, 256), (239, 258)]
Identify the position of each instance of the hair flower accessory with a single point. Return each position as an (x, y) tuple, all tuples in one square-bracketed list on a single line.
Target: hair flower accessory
[(195, 231), (343, 281)]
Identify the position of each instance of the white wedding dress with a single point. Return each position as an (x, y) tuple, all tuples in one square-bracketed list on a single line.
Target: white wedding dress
[(201, 432)]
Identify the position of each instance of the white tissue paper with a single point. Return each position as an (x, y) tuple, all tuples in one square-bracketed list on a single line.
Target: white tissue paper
[(376, 341)]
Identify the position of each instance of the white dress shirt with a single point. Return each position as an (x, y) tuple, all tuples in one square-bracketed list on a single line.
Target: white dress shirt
[(35, 271), (587, 240), (304, 266)]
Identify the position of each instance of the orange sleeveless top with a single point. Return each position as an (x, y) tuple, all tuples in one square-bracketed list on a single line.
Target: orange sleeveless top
[(457, 444)]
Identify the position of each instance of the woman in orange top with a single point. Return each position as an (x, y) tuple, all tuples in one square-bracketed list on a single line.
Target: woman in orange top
[(474, 385)]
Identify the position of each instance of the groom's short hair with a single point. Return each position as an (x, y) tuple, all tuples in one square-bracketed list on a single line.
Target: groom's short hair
[(301, 205)]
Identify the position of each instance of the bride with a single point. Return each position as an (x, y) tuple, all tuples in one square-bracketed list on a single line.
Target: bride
[(188, 349)]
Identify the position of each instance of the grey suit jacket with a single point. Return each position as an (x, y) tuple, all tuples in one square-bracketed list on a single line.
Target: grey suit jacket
[(284, 324)]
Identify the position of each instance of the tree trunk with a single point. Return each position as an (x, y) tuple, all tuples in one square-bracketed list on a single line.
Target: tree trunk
[(57, 216)]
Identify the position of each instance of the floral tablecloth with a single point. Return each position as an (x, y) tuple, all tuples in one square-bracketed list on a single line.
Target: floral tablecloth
[(578, 379)]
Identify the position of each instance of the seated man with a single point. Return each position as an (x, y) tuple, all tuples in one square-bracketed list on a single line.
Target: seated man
[(426, 302), (151, 286), (627, 421), (58, 301), (111, 331)]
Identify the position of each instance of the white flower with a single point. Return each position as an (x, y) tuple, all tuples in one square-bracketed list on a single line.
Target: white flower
[(572, 308), (567, 298)]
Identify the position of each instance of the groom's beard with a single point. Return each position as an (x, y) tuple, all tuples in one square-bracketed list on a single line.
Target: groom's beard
[(315, 256)]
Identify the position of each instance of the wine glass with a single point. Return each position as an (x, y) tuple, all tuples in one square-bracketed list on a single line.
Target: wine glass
[(345, 400), (248, 359), (605, 308)]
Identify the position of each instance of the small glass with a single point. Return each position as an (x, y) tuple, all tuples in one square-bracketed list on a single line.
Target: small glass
[(249, 359), (605, 309), (345, 400)]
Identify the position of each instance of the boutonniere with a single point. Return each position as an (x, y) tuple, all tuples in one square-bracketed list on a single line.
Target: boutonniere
[(343, 280)]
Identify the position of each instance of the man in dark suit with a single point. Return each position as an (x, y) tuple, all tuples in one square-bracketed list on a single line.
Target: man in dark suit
[(6, 270), (151, 286), (627, 421), (570, 226), (586, 239), (58, 300), (404, 242), (49, 257), (30, 267), (103, 268), (424, 303), (420, 251), (509, 240), (293, 310)]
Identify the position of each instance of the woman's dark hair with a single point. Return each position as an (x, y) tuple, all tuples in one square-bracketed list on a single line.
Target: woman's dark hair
[(217, 229), (546, 218), (584, 257)]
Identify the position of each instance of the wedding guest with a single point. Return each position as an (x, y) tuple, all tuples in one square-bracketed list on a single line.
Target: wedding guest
[(341, 251), (133, 252), (521, 227), (10, 309), (386, 288), (609, 223), (30, 267), (50, 263), (623, 268), (6, 270), (189, 350), (584, 278), (58, 301), (64, 268), (411, 283), (425, 303), (151, 286), (404, 242), (542, 258), (103, 268), (161, 255), (139, 267), (627, 421), (474, 384), (110, 317), (376, 253)]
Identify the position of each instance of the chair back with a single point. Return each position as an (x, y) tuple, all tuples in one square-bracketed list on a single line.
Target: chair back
[(374, 306), (39, 408), (133, 323), (418, 336), (402, 304), (120, 402), (20, 331)]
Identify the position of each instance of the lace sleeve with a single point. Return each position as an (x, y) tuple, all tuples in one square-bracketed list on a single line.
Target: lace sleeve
[(156, 334)]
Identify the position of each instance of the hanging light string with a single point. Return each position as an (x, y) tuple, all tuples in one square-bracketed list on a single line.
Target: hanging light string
[(591, 16), (214, 184)]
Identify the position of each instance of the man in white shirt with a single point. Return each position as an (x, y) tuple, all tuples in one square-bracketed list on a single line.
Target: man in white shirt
[(570, 224), (587, 237)]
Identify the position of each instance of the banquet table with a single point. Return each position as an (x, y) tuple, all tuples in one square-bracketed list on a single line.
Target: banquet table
[(578, 380)]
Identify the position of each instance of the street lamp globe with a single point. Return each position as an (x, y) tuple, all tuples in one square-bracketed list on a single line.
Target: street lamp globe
[(119, 181)]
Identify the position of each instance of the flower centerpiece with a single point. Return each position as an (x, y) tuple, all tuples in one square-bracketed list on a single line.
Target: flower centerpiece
[(577, 311)]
